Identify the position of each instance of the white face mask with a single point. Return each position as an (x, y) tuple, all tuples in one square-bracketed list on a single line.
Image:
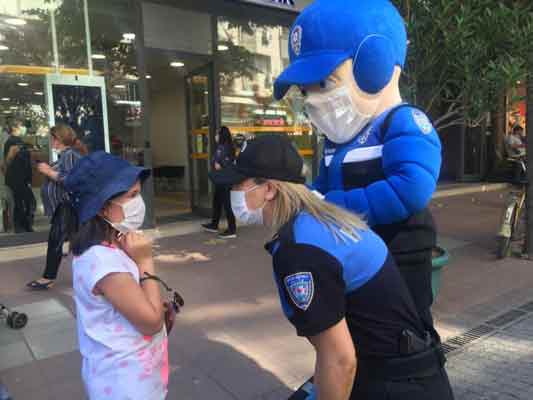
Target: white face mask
[(335, 114), (134, 212), (243, 214)]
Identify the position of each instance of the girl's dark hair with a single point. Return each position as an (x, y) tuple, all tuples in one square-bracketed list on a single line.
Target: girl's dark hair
[(92, 233), (225, 138)]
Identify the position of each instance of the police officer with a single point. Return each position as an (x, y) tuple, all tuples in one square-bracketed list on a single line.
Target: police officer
[(382, 157), (338, 284)]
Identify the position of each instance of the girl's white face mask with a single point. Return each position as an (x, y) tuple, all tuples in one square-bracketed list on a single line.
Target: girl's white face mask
[(134, 212), (243, 214), (334, 112)]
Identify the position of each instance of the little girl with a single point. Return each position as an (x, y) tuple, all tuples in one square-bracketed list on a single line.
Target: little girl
[(120, 315)]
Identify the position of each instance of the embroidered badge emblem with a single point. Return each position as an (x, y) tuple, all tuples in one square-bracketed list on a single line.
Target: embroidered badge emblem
[(296, 40), (301, 288), (422, 121)]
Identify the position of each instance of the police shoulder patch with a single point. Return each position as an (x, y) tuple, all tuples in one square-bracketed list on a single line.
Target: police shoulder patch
[(422, 121), (301, 288)]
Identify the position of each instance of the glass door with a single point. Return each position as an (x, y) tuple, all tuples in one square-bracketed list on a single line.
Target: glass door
[(200, 124)]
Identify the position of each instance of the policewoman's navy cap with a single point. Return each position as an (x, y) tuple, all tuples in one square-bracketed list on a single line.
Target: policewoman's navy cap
[(268, 157), (329, 32), (97, 178)]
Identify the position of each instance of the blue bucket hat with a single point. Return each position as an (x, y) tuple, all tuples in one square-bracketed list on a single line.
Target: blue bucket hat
[(97, 178), (329, 32)]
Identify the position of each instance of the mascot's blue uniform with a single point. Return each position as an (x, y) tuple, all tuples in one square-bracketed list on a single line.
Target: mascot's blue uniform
[(388, 173), (389, 170)]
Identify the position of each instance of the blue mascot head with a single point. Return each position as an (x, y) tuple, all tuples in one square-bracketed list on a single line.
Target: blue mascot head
[(326, 34)]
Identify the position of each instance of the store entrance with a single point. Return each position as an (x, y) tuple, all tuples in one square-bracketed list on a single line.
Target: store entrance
[(200, 125), (180, 122)]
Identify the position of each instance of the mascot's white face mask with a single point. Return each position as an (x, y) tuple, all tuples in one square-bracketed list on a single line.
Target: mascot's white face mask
[(340, 109)]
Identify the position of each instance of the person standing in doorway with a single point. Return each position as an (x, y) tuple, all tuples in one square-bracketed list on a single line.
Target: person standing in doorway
[(224, 157)]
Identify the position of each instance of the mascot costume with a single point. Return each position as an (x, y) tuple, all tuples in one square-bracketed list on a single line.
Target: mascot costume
[(382, 157)]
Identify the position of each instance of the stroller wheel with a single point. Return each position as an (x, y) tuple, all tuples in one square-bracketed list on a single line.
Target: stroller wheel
[(17, 320)]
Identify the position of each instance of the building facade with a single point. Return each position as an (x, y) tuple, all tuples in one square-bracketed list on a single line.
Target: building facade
[(150, 81)]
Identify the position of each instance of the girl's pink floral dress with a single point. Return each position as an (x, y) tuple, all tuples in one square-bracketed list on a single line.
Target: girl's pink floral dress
[(118, 361)]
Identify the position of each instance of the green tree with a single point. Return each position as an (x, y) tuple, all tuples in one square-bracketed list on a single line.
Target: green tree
[(464, 55)]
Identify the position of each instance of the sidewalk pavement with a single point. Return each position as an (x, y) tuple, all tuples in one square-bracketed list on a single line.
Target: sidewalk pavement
[(15, 248), (498, 367), (232, 341)]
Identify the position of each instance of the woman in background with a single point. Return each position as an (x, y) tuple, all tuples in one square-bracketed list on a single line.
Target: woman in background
[(56, 200)]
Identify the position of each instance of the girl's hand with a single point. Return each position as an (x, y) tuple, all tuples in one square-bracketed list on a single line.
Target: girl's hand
[(218, 167), (139, 248)]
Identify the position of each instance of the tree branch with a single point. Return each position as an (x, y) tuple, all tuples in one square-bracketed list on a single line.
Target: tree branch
[(455, 122), (451, 113)]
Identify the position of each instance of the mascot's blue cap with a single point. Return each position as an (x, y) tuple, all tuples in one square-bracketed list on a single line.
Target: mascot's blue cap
[(329, 32)]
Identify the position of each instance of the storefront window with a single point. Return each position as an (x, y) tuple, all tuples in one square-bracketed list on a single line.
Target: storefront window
[(251, 56), (114, 39), (47, 76), (26, 56)]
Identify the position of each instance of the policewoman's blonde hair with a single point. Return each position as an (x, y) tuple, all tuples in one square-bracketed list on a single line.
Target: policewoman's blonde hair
[(293, 198)]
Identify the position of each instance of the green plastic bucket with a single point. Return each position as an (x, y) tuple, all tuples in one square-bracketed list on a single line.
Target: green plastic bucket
[(440, 259)]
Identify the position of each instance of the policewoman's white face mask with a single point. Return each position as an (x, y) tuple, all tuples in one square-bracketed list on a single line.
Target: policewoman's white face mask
[(134, 212), (242, 213), (335, 113)]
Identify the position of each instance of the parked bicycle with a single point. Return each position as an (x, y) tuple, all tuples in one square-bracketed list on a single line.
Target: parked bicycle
[(513, 223)]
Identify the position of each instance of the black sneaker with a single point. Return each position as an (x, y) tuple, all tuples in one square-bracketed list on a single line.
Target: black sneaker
[(227, 235), (210, 228)]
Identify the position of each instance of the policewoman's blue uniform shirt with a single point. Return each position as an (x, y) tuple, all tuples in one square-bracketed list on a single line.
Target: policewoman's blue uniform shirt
[(322, 279), (385, 176)]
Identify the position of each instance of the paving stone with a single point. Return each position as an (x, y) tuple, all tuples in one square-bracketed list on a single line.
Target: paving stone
[(498, 367)]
